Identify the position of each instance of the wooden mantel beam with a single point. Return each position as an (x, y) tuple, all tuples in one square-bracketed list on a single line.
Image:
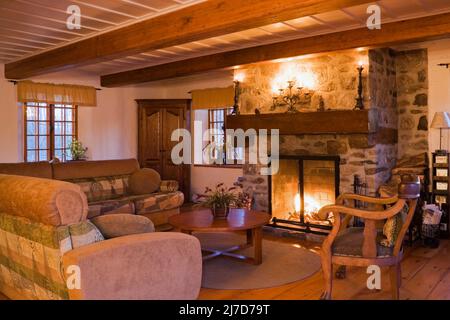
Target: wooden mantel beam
[(197, 22), (407, 31)]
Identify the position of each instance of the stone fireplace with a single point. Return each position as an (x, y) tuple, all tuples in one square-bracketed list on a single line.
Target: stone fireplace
[(392, 83)]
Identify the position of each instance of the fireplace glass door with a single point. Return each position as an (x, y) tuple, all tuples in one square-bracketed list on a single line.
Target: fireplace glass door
[(302, 186)]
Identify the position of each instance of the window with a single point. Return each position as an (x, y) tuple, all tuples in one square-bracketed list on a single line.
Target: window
[(49, 130), (217, 121)]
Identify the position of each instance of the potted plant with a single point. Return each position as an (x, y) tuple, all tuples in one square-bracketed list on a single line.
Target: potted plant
[(221, 199), (77, 151)]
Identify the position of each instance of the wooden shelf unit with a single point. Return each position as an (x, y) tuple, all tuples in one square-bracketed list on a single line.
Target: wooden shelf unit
[(440, 192)]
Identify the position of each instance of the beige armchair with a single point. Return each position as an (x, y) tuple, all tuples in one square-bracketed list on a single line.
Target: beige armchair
[(361, 246), (44, 230)]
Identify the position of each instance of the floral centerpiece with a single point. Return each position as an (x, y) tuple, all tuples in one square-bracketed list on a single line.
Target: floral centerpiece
[(221, 199)]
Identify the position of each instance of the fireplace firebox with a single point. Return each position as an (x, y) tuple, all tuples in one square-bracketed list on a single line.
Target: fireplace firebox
[(302, 186)]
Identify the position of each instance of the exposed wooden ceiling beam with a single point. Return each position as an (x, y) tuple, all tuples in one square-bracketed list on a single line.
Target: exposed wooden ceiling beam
[(407, 31), (204, 20)]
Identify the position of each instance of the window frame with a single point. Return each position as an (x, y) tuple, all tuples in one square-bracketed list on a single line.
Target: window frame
[(225, 112), (51, 107)]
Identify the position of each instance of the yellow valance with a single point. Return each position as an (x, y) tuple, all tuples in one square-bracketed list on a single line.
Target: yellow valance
[(214, 98), (28, 91)]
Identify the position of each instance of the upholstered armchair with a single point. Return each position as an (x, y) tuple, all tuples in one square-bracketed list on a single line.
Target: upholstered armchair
[(365, 246)]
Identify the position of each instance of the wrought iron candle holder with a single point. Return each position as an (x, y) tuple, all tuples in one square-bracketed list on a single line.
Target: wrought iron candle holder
[(360, 99), (291, 98), (237, 92)]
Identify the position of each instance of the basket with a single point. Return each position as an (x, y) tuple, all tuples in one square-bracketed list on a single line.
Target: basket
[(430, 231)]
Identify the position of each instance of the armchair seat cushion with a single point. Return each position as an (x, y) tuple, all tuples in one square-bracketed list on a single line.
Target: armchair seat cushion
[(350, 242), (119, 225)]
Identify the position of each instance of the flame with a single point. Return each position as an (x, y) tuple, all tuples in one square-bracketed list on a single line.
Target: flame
[(311, 205), (239, 76), (292, 71), (297, 202)]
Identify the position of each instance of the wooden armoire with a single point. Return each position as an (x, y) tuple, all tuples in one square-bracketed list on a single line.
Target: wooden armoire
[(157, 120)]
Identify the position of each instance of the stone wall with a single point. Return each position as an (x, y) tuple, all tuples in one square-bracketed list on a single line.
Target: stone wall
[(332, 76), (412, 86), (383, 103), (395, 92)]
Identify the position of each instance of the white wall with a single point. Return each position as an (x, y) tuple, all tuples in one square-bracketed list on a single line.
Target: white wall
[(10, 122), (439, 89), (103, 129)]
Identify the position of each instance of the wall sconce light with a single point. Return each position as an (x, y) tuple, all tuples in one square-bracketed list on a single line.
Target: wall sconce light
[(360, 99), (288, 97)]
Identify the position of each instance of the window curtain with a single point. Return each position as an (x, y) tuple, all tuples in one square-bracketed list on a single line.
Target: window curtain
[(214, 98), (28, 91)]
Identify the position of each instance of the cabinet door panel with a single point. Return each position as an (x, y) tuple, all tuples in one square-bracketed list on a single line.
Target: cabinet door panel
[(157, 121), (173, 120), (151, 139)]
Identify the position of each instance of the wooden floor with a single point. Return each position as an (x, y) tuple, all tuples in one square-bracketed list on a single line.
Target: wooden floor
[(425, 273)]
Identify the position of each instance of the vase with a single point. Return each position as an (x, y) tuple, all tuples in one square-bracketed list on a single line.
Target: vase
[(220, 212)]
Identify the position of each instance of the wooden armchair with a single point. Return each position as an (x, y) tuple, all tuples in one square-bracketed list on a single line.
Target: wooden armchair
[(358, 246)]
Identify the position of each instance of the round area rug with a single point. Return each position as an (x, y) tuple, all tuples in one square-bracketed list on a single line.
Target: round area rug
[(283, 263)]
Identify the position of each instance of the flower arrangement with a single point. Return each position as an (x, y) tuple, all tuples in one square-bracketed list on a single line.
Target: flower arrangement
[(221, 199), (77, 151)]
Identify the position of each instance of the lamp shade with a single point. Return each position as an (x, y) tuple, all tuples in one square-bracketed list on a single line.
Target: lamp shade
[(441, 120)]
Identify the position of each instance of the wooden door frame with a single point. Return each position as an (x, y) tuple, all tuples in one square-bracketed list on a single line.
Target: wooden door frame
[(184, 104)]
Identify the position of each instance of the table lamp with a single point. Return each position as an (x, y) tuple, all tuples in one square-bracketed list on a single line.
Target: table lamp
[(441, 120)]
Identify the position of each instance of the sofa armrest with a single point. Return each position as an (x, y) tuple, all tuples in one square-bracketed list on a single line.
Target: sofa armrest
[(153, 266), (169, 186)]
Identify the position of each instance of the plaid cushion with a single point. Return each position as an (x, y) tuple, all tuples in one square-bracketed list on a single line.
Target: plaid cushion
[(30, 258), (84, 233), (168, 186), (158, 201), (31, 254), (103, 188)]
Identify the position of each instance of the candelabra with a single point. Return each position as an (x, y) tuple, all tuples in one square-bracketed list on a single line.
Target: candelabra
[(360, 99), (287, 97)]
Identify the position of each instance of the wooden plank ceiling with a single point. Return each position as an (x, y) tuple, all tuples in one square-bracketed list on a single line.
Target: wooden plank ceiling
[(407, 31), (29, 27)]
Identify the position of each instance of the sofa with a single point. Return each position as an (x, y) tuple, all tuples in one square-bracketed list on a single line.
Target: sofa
[(50, 250), (106, 186)]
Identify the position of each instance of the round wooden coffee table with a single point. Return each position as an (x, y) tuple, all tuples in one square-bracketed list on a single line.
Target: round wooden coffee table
[(202, 220)]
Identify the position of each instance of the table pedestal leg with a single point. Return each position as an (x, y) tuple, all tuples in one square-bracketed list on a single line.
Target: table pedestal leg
[(254, 239), (257, 245)]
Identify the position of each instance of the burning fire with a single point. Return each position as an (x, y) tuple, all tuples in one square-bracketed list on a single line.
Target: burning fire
[(297, 202), (311, 205)]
